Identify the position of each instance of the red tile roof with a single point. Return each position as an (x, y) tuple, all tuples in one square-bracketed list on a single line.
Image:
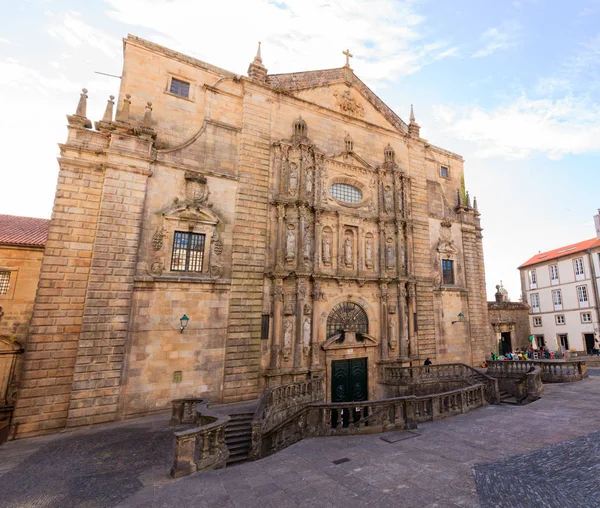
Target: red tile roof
[(562, 251), (23, 230)]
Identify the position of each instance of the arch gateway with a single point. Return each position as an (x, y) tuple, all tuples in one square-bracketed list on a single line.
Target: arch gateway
[(302, 226)]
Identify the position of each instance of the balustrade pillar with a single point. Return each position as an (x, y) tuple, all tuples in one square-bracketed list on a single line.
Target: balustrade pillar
[(277, 338)]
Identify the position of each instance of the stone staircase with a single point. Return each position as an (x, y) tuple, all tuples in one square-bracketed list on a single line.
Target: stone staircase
[(238, 437), (507, 398)]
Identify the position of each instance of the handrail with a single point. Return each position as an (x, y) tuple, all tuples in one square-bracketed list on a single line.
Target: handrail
[(552, 371), (203, 447)]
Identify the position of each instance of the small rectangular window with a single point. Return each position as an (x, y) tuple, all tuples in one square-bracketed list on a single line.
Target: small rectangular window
[(188, 252), (532, 279), (560, 319), (586, 317), (537, 321), (541, 342), (4, 282), (264, 327), (179, 87), (444, 172), (447, 272)]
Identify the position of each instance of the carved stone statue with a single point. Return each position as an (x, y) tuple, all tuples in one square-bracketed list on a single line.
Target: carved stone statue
[(326, 250), (306, 336), (369, 252), (293, 181), (388, 200), (306, 244), (287, 339), (309, 181), (290, 245), (348, 252), (389, 254), (392, 341)]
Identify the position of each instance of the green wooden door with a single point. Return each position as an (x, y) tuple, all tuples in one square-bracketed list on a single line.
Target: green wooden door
[(349, 380)]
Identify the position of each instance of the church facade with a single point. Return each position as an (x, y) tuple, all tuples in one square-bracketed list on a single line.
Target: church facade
[(300, 224)]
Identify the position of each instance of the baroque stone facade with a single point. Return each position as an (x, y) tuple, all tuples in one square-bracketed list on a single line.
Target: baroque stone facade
[(294, 218)]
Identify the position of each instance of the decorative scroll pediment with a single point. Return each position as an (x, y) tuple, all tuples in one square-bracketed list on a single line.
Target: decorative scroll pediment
[(349, 339), (190, 211), (7, 345), (350, 159)]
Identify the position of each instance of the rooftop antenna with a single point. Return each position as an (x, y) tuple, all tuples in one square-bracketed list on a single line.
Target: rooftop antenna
[(105, 74)]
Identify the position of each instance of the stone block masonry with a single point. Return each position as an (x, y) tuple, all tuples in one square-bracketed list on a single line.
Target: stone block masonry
[(242, 357), (49, 362)]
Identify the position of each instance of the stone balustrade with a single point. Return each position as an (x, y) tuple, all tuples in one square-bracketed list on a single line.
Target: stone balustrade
[(202, 447), (551, 371), (365, 417), (443, 373), (183, 411)]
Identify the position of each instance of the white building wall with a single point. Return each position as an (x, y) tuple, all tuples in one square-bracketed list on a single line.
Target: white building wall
[(572, 309)]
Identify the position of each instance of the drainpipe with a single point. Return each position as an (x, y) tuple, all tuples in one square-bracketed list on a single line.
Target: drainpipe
[(595, 289)]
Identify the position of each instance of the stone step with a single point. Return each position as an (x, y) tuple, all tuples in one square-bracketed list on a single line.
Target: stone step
[(509, 400), (245, 438), (237, 448), (240, 427), (238, 459)]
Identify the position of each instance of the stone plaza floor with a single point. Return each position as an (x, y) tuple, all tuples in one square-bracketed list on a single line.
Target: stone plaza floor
[(546, 454)]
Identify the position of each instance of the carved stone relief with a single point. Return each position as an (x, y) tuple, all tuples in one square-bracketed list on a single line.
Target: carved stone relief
[(293, 179), (290, 244), (287, 339), (158, 237), (326, 247), (306, 244), (390, 254), (156, 267), (392, 341), (388, 200), (348, 255), (369, 252), (348, 104), (306, 336)]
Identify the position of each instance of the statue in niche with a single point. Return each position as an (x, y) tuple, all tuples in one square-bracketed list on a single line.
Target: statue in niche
[(369, 252), (287, 339), (392, 333), (290, 245), (309, 181), (306, 245), (326, 250), (388, 200), (400, 201), (389, 253), (293, 181), (348, 252), (306, 336)]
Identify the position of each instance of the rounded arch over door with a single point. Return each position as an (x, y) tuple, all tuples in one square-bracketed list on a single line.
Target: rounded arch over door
[(347, 316)]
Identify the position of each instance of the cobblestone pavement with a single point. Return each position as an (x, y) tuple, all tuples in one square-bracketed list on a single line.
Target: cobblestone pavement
[(544, 454)]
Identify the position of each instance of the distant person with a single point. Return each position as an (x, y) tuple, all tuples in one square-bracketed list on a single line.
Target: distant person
[(427, 363)]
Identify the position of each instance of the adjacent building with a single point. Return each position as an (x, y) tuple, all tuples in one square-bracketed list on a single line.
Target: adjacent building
[(22, 241), (299, 225), (561, 287), (509, 323)]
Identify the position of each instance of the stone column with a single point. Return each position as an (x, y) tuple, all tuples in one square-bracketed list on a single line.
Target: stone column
[(402, 319), (359, 250), (317, 242), (300, 237), (316, 312), (299, 328), (412, 338), (281, 232), (383, 294), (382, 267), (276, 338)]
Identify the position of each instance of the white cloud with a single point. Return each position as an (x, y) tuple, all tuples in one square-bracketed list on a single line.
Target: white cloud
[(387, 38), (6, 41), (499, 38), (527, 127), (76, 33)]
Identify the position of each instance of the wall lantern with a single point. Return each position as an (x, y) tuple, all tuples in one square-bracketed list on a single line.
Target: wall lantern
[(461, 318), (183, 322)]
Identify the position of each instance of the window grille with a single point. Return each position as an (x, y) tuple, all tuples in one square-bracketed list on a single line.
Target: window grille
[(181, 88), (188, 252), (347, 316), (4, 282), (345, 193), (447, 272)]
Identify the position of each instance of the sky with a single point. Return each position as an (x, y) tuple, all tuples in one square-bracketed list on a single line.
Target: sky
[(512, 86)]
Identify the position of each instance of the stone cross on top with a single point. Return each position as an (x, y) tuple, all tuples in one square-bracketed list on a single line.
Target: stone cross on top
[(348, 56)]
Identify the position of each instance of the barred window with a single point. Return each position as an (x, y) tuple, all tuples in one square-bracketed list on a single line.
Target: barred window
[(345, 193), (447, 272), (4, 282), (181, 88), (188, 252)]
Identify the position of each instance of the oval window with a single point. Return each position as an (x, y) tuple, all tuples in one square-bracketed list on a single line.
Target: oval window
[(345, 193)]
